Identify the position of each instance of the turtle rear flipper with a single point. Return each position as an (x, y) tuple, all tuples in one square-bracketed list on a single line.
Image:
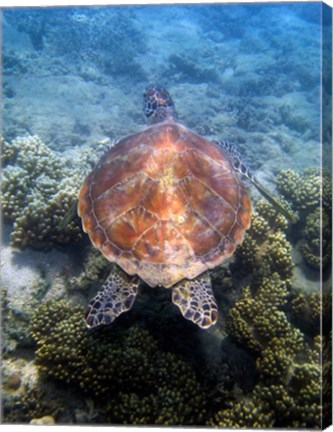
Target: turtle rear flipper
[(115, 297), (196, 300)]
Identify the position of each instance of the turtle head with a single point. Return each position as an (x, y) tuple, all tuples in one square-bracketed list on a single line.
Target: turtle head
[(158, 105)]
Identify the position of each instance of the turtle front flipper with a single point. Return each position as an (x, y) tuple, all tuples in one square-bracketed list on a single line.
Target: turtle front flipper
[(196, 300), (242, 168), (115, 297)]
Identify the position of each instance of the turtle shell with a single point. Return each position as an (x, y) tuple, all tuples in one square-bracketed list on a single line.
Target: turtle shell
[(165, 204)]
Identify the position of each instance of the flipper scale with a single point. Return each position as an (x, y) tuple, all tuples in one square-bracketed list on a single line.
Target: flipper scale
[(196, 301), (115, 297)]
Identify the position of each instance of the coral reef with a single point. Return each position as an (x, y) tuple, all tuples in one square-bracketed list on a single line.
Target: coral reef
[(291, 400), (287, 393), (265, 322), (37, 402), (33, 24), (147, 384), (100, 37), (302, 190), (15, 324), (224, 57), (182, 68), (305, 312), (327, 380), (144, 384), (327, 357), (316, 222), (256, 319), (95, 268), (39, 187), (307, 192), (265, 246)]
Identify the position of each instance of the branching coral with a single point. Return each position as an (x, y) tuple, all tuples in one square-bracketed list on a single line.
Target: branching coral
[(155, 386), (310, 194), (38, 189), (303, 191), (316, 222), (287, 393), (255, 318), (305, 312), (265, 246), (306, 191), (244, 414)]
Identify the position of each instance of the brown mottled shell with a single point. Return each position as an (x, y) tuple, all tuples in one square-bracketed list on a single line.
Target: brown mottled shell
[(165, 204)]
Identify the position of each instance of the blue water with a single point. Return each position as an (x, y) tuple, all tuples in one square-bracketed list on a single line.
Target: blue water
[(246, 73)]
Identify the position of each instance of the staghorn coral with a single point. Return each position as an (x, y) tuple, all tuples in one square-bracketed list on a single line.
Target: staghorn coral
[(39, 188), (157, 387)]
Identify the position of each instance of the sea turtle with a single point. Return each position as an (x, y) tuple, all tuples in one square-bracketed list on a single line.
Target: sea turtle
[(165, 205)]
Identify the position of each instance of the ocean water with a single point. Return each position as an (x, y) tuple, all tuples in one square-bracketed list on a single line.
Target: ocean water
[(73, 80)]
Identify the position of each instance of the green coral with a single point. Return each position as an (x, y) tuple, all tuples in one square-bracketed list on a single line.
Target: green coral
[(268, 320), (155, 386), (316, 223), (310, 194), (302, 190), (244, 414), (265, 246), (305, 311), (39, 187), (287, 393), (256, 318)]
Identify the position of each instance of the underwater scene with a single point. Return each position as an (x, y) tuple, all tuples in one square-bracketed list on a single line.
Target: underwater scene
[(181, 277)]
